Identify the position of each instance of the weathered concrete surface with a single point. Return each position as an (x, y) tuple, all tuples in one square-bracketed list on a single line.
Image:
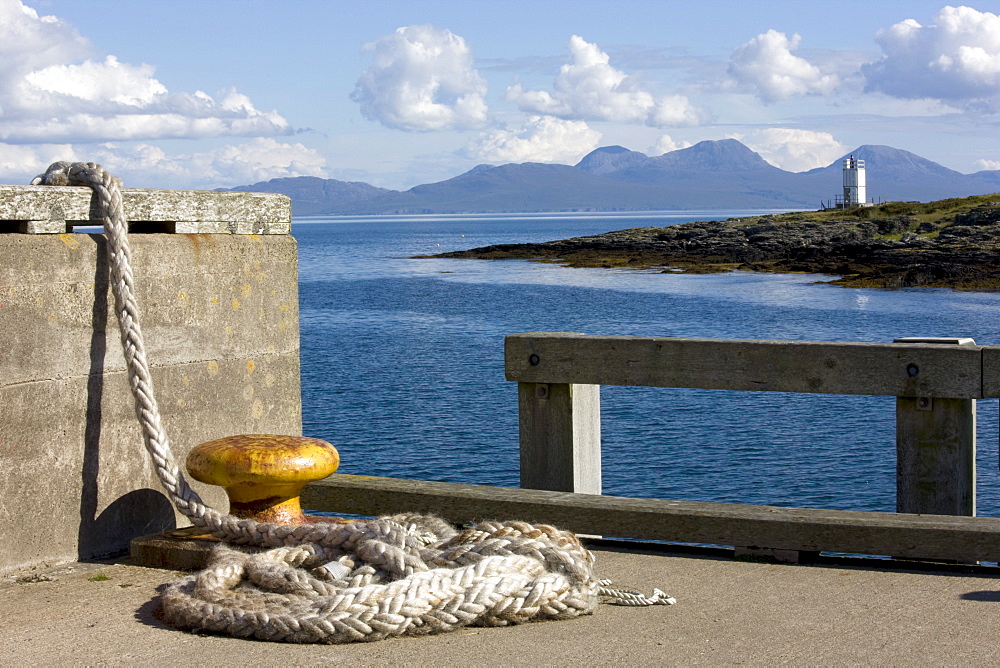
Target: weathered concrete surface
[(220, 320), (55, 209), (728, 612)]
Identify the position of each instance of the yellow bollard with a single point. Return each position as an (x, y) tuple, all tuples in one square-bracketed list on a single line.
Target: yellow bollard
[(264, 474)]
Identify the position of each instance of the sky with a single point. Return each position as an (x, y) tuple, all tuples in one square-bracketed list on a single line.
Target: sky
[(219, 93)]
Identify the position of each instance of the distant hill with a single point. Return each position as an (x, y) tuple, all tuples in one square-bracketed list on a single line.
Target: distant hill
[(722, 174), (897, 175), (312, 195), (949, 243), (610, 159)]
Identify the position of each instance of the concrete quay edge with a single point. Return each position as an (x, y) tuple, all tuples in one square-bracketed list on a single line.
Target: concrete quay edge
[(727, 612)]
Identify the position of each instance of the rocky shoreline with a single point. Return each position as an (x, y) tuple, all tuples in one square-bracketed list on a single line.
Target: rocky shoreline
[(946, 244)]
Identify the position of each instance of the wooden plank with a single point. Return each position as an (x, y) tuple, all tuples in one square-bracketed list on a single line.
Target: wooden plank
[(560, 434), (991, 371), (891, 369), (901, 535), (936, 456)]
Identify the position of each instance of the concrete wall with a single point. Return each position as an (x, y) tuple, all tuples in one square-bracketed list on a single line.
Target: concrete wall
[(220, 320)]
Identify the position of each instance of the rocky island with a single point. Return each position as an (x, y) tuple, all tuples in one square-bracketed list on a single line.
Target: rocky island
[(952, 243)]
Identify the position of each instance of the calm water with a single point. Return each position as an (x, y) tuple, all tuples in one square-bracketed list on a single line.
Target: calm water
[(402, 363)]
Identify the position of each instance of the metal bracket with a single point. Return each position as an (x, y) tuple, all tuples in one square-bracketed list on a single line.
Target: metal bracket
[(961, 341)]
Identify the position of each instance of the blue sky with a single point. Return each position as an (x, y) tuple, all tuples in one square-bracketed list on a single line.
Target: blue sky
[(209, 94)]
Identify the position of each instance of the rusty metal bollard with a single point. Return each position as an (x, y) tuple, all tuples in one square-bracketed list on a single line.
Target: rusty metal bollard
[(264, 474)]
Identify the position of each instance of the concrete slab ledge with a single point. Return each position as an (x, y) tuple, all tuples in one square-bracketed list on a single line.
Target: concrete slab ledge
[(57, 209)]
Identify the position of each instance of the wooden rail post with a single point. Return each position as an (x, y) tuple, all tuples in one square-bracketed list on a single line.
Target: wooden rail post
[(560, 425), (935, 449)]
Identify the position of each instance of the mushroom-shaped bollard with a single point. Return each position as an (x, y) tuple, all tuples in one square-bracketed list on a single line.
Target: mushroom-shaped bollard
[(264, 474)]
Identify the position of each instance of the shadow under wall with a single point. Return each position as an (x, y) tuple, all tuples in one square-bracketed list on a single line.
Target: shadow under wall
[(138, 512)]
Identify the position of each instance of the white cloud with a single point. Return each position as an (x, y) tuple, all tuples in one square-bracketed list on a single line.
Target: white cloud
[(260, 159), (146, 166), (19, 164), (29, 42), (421, 78), (148, 124), (50, 91), (767, 67), (541, 139), (110, 81), (589, 88), (793, 150), (666, 144), (988, 164), (957, 58)]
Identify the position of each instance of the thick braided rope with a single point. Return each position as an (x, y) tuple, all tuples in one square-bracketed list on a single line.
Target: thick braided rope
[(493, 574), (363, 580), (111, 210)]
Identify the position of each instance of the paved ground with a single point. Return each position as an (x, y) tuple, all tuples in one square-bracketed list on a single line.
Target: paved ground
[(728, 612)]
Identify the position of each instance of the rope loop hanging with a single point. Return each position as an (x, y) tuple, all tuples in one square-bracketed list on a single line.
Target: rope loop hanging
[(333, 583)]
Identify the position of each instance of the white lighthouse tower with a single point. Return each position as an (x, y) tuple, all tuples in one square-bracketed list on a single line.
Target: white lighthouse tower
[(854, 183)]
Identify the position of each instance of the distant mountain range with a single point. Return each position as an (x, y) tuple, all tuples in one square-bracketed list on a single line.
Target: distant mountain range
[(722, 174)]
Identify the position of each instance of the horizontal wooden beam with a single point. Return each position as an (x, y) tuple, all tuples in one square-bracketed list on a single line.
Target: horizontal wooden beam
[(889, 369), (809, 530)]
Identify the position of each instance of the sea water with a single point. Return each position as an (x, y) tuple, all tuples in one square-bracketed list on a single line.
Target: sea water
[(402, 362)]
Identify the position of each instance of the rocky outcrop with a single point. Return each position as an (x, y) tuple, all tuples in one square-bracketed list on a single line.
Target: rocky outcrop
[(952, 244)]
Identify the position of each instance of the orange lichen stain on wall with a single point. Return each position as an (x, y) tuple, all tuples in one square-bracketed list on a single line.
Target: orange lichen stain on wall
[(246, 290), (196, 241), (236, 304), (70, 241), (212, 368), (182, 297), (251, 366)]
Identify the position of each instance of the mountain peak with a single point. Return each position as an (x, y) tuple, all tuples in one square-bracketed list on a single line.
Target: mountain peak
[(482, 167), (608, 159), (611, 150), (709, 175), (892, 165), (715, 155)]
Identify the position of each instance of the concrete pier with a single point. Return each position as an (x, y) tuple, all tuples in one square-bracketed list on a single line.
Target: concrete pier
[(727, 612), (220, 317)]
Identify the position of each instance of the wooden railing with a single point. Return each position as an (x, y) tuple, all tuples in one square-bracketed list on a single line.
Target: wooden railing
[(936, 382), (788, 534)]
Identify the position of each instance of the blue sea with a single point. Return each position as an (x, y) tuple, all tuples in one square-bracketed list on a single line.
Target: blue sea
[(402, 362)]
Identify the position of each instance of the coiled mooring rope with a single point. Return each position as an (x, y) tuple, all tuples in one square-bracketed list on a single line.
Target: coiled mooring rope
[(341, 582)]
